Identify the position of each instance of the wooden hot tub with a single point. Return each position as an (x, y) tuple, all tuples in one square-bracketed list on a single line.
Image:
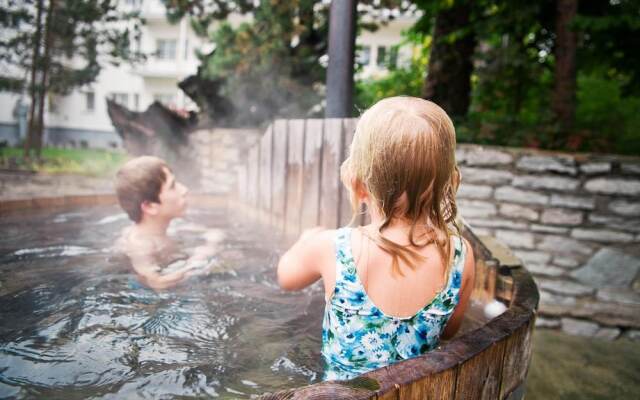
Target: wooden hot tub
[(291, 181)]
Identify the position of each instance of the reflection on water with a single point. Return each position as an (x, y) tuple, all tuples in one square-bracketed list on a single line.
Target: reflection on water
[(76, 324)]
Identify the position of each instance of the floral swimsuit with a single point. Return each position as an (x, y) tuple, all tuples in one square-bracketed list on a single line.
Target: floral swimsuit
[(358, 337)]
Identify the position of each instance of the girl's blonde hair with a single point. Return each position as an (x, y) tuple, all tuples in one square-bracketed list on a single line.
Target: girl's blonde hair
[(403, 155)]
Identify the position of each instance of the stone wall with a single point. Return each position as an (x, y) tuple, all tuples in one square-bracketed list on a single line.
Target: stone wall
[(575, 222), (573, 219), (220, 152)]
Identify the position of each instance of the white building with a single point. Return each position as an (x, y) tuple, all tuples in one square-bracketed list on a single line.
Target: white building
[(384, 48), (80, 119)]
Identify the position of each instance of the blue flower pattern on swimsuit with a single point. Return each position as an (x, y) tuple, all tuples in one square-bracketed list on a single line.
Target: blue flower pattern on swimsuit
[(357, 337)]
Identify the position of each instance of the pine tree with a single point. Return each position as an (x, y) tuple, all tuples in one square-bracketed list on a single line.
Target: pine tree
[(53, 46)]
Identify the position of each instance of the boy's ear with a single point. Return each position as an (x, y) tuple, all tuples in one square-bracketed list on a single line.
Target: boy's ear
[(149, 208)]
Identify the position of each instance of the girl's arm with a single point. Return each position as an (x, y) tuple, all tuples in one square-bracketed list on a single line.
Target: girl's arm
[(302, 264), (468, 279)]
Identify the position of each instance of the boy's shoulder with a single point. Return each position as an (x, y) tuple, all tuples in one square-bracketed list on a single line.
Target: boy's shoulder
[(134, 243)]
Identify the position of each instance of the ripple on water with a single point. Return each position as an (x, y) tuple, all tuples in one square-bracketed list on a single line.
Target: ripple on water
[(75, 325), (283, 364), (112, 218), (185, 381), (54, 251)]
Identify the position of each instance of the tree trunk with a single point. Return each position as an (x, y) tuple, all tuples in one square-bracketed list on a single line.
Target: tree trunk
[(32, 90), (44, 84), (448, 81), (564, 93), (342, 40)]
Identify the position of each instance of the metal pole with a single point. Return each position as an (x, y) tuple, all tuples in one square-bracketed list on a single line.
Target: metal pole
[(342, 40)]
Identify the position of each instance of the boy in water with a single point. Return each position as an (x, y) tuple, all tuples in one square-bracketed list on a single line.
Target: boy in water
[(152, 197)]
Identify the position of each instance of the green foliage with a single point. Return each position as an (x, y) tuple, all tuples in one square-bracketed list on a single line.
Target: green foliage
[(270, 65), (608, 120), (406, 81), (611, 37), (204, 12), (513, 78), (89, 162)]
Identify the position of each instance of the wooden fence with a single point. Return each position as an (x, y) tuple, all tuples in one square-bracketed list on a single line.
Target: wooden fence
[(292, 177)]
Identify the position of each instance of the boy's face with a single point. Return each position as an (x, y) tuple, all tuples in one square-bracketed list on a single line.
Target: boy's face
[(173, 202)]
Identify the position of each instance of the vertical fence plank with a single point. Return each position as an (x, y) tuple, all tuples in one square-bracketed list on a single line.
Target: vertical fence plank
[(346, 212), (295, 167), (330, 183), (266, 145), (241, 190), (312, 173), (279, 175), (252, 177)]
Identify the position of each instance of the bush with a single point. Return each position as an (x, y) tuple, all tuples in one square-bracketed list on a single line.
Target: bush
[(90, 162)]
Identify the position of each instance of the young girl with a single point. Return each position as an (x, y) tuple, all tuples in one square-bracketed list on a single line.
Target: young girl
[(394, 287)]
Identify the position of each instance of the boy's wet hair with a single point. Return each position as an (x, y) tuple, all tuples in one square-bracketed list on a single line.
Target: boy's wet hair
[(403, 156), (140, 180)]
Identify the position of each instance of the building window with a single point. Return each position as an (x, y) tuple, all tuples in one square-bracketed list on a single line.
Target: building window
[(136, 102), (120, 98), (364, 55), (393, 57), (166, 49), (381, 58), (90, 101), (53, 101)]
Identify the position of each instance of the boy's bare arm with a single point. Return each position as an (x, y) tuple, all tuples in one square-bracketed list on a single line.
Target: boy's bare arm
[(145, 265), (201, 258)]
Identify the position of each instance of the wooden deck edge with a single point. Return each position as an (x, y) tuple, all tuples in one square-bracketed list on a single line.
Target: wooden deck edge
[(197, 199), (57, 201)]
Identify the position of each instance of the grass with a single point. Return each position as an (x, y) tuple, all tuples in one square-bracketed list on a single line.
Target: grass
[(89, 162), (567, 367)]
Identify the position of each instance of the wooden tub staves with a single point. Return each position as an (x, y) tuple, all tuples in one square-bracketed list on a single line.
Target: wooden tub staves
[(291, 181), (489, 362)]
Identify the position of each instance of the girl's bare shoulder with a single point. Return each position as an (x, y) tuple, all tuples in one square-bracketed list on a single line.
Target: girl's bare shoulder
[(320, 241)]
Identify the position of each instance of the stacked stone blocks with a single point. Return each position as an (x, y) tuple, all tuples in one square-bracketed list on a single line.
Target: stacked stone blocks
[(574, 220), (220, 152)]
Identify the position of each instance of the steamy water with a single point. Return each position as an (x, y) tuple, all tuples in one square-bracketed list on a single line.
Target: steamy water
[(75, 323)]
